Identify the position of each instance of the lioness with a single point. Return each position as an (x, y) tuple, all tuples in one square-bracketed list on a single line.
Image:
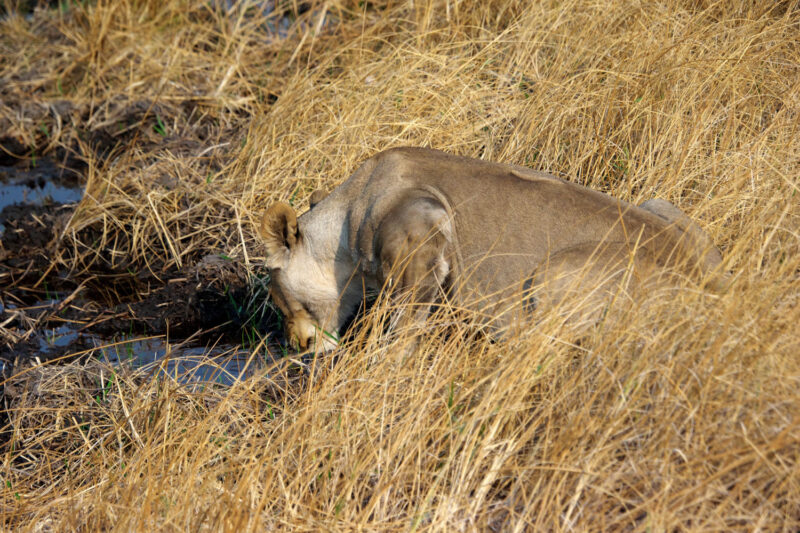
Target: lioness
[(472, 232)]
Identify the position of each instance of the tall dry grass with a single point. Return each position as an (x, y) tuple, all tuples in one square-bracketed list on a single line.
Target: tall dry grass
[(683, 414)]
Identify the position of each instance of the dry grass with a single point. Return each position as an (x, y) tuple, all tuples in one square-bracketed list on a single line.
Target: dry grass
[(681, 415)]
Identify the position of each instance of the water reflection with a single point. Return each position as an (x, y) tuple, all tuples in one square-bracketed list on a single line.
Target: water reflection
[(47, 192), (221, 365)]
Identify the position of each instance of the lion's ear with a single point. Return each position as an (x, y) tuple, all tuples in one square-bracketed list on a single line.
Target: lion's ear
[(317, 196), (280, 233)]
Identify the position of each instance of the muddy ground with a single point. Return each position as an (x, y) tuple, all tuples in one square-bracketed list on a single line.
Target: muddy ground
[(54, 307)]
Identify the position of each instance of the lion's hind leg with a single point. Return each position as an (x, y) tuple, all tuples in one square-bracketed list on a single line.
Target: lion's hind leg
[(582, 282)]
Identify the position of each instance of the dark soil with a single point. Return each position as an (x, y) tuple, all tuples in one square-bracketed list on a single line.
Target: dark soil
[(208, 296), (51, 311), (54, 302)]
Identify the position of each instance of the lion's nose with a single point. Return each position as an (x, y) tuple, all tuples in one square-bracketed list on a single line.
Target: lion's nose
[(304, 341)]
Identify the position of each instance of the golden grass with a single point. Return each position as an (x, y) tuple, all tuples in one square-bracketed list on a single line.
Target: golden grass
[(680, 415)]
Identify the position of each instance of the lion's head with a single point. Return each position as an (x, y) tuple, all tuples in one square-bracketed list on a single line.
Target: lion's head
[(308, 280)]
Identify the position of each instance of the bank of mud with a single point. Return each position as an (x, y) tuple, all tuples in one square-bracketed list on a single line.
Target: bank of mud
[(66, 287)]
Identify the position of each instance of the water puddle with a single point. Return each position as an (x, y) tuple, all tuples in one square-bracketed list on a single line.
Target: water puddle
[(37, 193), (220, 365), (42, 185), (185, 361)]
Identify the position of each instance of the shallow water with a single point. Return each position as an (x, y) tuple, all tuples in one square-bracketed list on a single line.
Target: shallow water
[(222, 365), (47, 192), (44, 184)]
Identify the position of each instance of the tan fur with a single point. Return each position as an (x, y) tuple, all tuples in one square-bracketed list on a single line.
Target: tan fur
[(475, 232), (279, 229), (316, 197)]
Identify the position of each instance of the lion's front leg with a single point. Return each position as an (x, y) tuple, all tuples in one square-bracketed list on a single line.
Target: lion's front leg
[(413, 248)]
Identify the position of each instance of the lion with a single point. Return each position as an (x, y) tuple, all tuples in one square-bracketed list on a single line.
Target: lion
[(496, 238)]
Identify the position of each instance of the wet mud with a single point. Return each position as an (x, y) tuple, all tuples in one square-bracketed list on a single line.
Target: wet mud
[(51, 310)]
